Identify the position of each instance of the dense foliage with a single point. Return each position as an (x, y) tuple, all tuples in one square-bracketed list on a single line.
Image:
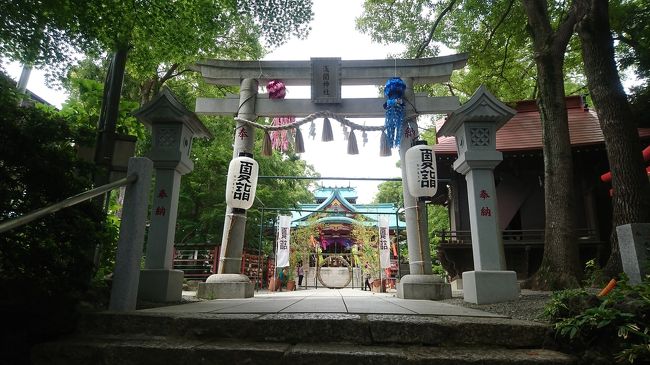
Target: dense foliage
[(602, 330), (51, 259), (501, 59), (158, 33)]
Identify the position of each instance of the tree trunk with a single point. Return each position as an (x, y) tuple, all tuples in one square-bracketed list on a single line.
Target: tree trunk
[(560, 264), (631, 197), (110, 113), (146, 90)]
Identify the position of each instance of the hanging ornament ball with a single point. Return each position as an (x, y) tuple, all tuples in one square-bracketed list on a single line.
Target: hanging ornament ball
[(394, 88), (276, 89)]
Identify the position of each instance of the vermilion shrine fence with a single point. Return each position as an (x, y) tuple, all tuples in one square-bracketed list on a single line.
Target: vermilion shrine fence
[(199, 261)]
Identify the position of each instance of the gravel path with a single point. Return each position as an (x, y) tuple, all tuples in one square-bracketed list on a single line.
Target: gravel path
[(529, 306)]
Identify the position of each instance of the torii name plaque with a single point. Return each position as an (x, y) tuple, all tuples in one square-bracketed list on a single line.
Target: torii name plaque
[(326, 80)]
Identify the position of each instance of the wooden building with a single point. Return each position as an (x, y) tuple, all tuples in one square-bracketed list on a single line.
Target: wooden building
[(337, 210), (520, 189)]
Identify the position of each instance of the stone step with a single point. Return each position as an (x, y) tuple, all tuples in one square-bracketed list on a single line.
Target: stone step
[(156, 350), (360, 329)]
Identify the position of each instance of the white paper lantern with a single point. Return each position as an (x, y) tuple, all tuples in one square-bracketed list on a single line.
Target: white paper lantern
[(242, 181), (421, 172)]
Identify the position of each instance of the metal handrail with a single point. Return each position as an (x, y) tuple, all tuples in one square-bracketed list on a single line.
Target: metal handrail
[(76, 199)]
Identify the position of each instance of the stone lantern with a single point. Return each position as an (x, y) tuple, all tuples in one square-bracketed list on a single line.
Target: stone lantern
[(172, 127), (474, 125)]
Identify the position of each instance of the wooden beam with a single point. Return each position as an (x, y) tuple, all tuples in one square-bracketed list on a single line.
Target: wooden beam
[(353, 72), (300, 108)]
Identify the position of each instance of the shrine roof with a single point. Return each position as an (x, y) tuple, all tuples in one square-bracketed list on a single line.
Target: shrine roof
[(524, 130), (368, 211), (325, 192)]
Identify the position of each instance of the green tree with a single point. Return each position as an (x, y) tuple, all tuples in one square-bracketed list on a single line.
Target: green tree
[(390, 192), (49, 260), (630, 26), (501, 60), (154, 32), (366, 237), (559, 268), (161, 37), (540, 55), (631, 198)]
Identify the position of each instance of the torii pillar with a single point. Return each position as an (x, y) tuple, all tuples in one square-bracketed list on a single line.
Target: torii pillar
[(474, 125), (421, 283), (229, 282)]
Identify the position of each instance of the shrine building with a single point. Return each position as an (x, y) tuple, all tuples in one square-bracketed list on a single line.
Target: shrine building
[(520, 187)]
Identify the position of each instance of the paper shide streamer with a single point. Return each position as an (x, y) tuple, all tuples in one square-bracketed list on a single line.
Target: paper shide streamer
[(279, 139)]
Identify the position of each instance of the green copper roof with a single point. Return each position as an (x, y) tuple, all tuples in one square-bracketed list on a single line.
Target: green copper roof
[(370, 211), (346, 192)]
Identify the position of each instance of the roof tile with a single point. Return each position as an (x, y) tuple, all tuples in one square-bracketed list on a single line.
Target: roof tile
[(524, 130)]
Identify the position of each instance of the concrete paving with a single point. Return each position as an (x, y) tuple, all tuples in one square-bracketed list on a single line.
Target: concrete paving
[(322, 300)]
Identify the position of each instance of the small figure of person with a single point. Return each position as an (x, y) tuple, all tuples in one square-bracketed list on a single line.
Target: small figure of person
[(301, 273), (367, 282)]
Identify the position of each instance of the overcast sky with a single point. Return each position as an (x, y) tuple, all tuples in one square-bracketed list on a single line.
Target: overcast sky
[(334, 35)]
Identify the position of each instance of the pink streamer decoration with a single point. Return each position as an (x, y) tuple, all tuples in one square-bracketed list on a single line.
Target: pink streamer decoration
[(279, 139)]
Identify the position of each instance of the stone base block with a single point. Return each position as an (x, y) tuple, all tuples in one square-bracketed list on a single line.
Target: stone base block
[(457, 284), (431, 287), (226, 286), (633, 242), (484, 287), (160, 285)]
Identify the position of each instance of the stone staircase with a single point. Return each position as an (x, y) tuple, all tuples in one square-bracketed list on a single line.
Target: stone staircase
[(299, 338)]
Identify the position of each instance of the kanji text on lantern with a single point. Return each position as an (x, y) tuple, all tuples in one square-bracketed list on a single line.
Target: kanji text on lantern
[(427, 172), (243, 182)]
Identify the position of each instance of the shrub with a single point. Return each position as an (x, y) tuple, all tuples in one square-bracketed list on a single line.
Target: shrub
[(46, 266), (603, 330)]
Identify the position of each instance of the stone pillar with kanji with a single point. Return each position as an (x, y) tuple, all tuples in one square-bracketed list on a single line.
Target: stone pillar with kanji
[(173, 128), (474, 125)]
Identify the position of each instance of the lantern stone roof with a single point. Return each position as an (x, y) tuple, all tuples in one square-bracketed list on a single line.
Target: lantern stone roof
[(337, 202), (165, 108), (524, 131), (481, 107)]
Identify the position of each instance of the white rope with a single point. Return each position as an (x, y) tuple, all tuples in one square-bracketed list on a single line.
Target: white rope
[(309, 118)]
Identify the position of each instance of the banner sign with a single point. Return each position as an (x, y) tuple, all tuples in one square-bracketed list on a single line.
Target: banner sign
[(284, 235), (384, 242)]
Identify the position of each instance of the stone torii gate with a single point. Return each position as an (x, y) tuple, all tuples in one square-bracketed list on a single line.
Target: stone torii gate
[(326, 76)]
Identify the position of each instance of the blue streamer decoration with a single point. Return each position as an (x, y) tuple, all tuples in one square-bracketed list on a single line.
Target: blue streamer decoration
[(394, 106)]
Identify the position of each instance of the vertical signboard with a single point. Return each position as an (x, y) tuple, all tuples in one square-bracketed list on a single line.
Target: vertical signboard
[(284, 236), (326, 80), (384, 240)]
